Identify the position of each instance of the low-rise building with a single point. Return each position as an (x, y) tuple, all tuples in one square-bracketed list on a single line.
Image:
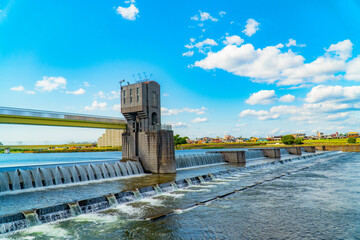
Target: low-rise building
[(111, 138), (298, 135), (353, 134)]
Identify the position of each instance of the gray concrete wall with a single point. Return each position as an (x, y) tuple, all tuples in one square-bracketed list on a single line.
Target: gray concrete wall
[(294, 150), (157, 152), (232, 156), (272, 152), (344, 148), (311, 149)]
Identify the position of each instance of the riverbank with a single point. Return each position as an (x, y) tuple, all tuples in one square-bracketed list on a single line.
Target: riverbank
[(63, 148), (322, 145)]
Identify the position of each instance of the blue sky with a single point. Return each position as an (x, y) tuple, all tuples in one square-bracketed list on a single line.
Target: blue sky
[(250, 68)]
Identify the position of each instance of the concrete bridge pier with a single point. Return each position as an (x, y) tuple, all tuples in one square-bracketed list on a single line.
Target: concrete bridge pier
[(294, 150), (272, 152), (233, 156), (311, 149)]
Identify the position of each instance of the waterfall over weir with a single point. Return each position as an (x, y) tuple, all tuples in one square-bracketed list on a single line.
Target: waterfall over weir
[(59, 175), (254, 154), (186, 161)]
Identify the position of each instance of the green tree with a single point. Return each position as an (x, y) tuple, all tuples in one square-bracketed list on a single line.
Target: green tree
[(288, 139), (351, 140), (179, 140), (299, 141), (1, 144)]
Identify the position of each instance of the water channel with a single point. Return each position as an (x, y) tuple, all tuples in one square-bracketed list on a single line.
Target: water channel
[(317, 197)]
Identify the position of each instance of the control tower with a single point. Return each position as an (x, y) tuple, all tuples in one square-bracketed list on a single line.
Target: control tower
[(145, 139)]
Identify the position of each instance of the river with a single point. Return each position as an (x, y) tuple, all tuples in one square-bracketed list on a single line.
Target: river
[(312, 198)]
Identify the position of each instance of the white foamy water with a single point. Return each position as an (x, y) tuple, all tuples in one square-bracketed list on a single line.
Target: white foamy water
[(152, 201), (50, 230), (95, 217), (130, 210)]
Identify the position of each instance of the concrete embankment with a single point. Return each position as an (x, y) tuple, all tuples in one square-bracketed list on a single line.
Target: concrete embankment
[(344, 148)]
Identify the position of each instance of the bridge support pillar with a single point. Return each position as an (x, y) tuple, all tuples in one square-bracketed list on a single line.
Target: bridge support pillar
[(272, 152), (294, 150), (232, 156), (311, 149), (156, 150)]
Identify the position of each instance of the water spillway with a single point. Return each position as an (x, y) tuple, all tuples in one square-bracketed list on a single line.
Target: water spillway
[(187, 161), (25, 219), (254, 153), (46, 176)]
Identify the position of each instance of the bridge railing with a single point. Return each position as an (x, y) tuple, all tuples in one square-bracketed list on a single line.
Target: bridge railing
[(57, 115)]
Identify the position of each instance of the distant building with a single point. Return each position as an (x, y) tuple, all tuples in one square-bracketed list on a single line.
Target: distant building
[(319, 134), (353, 134), (298, 135), (277, 138), (111, 138)]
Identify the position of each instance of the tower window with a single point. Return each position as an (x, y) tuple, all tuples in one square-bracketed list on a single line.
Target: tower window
[(154, 99), (130, 95), (124, 96), (137, 94)]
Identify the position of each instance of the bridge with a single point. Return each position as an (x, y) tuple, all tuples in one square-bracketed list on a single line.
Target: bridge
[(49, 118)]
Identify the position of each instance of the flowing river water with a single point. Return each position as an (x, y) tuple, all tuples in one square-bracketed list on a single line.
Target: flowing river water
[(309, 198)]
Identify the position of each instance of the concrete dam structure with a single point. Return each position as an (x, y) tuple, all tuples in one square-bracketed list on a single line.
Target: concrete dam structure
[(145, 139)]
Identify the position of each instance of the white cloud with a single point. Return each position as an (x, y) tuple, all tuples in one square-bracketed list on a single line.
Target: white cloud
[(188, 54), (22, 89), (274, 131), (292, 42), (18, 88), (272, 65), (251, 27), (175, 111), (87, 84), (166, 94), (206, 42), (261, 114), (112, 95), (323, 93), (48, 84), (233, 40), (80, 91), (222, 13), (129, 13), (203, 16), (96, 106), (342, 49), (262, 97), (179, 125), (325, 103), (200, 120), (353, 69), (287, 98), (116, 107)]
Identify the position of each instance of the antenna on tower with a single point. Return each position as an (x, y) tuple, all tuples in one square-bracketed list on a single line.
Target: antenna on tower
[(139, 77), (145, 77), (134, 77)]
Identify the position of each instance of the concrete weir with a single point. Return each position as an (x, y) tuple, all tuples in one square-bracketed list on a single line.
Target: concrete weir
[(24, 219), (239, 156)]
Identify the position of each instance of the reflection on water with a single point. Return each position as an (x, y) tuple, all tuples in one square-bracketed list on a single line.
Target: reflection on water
[(320, 201)]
